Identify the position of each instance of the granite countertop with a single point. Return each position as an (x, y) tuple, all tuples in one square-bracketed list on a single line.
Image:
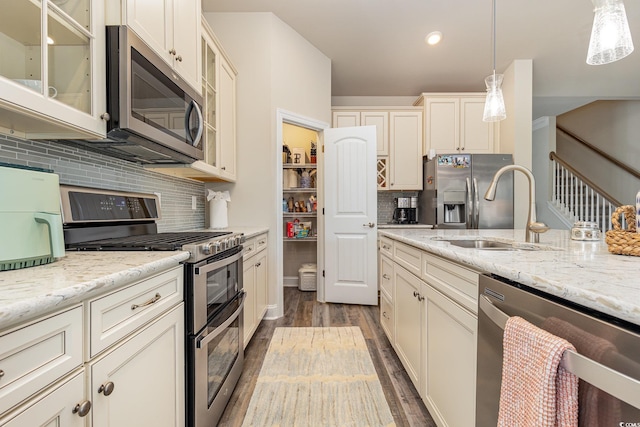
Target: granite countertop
[(28, 293), (581, 272), (249, 232)]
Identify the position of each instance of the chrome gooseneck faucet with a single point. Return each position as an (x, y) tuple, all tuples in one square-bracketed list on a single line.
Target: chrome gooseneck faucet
[(533, 228)]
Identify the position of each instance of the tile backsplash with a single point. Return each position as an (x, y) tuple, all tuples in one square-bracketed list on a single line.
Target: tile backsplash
[(84, 168)]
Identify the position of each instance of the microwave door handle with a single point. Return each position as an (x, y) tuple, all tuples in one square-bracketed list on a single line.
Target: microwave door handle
[(201, 342), (469, 207), (476, 204), (193, 105)]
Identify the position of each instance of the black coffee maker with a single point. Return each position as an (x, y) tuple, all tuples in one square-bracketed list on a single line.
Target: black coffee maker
[(406, 210)]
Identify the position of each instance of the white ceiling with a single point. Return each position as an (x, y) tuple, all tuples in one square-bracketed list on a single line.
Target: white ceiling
[(377, 46)]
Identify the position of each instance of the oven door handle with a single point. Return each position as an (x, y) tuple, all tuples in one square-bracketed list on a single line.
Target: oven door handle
[(216, 265), (606, 379), (201, 342)]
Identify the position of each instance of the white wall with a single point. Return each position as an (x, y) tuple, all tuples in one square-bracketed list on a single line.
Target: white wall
[(277, 69), (516, 130)]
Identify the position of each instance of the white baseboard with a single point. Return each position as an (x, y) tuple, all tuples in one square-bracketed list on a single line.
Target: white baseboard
[(272, 312), (290, 281)]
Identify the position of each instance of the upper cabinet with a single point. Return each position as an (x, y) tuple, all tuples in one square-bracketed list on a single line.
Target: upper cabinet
[(399, 142), (218, 77), (453, 124), (170, 27), (52, 71)]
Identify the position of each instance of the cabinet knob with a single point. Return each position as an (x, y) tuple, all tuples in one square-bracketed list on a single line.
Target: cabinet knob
[(105, 116), (1, 373), (172, 51), (386, 276), (420, 298), (82, 409), (107, 388), (258, 264), (179, 58), (415, 294), (462, 148), (224, 168), (385, 315)]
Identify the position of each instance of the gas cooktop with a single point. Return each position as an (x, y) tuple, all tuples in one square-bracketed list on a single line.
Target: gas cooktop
[(149, 242)]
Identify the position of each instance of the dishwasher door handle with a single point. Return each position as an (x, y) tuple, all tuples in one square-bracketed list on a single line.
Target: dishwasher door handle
[(606, 379)]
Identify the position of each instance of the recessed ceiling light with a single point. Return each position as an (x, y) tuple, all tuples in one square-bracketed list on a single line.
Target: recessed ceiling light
[(433, 37)]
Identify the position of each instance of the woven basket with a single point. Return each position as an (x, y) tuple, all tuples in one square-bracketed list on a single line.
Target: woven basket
[(623, 242)]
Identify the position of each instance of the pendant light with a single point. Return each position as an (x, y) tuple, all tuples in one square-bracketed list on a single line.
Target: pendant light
[(610, 35), (494, 109)]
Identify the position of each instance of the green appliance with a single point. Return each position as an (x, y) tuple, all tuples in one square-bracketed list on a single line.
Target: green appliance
[(30, 220)]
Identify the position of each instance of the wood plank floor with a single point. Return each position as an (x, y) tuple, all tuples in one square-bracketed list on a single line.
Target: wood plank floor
[(302, 310)]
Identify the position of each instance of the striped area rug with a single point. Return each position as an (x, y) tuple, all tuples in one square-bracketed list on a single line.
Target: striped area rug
[(318, 377)]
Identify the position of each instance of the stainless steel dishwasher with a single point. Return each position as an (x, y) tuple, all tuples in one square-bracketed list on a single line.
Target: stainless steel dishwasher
[(607, 359)]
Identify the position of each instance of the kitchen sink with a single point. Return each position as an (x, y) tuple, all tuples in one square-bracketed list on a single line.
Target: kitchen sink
[(494, 245)]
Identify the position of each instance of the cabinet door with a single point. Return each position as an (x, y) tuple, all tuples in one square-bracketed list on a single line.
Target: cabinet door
[(262, 286), (249, 286), (379, 119), (476, 136), (227, 120), (406, 150), (152, 22), (55, 408), (186, 35), (386, 276), (147, 372), (408, 323), (442, 125), (386, 317), (345, 119), (450, 357)]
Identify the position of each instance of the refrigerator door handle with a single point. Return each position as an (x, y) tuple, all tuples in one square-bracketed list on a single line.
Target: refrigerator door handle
[(469, 210), (476, 204)]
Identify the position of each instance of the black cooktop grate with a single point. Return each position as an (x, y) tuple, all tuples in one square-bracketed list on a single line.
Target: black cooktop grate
[(148, 242)]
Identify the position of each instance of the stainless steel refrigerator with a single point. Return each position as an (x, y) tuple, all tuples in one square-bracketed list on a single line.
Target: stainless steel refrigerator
[(454, 188)]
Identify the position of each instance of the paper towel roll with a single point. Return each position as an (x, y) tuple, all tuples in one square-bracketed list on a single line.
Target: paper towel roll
[(218, 214)]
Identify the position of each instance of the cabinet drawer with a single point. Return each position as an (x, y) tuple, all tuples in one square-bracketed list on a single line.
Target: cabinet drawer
[(386, 277), (386, 317), (457, 282), (36, 355), (386, 246), (408, 256), (116, 315), (249, 248), (52, 408), (261, 242)]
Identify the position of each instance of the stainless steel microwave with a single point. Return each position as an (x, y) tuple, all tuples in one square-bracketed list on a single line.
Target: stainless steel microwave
[(154, 115)]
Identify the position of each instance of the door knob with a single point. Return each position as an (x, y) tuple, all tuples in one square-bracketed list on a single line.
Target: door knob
[(370, 225)]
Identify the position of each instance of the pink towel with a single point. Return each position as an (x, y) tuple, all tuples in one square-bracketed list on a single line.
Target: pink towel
[(536, 391)]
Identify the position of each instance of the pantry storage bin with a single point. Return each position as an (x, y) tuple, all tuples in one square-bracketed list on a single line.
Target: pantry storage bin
[(307, 277)]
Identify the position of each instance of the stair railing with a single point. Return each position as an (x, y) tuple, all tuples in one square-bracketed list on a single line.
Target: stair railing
[(579, 198)]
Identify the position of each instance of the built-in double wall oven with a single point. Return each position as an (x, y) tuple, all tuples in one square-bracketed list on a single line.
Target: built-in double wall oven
[(215, 300)]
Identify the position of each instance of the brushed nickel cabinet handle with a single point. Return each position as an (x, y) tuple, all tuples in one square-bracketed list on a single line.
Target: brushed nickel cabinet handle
[(82, 409), (153, 300), (107, 388)]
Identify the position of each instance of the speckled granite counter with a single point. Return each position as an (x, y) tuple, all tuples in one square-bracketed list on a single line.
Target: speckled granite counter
[(249, 232), (582, 272), (28, 293)]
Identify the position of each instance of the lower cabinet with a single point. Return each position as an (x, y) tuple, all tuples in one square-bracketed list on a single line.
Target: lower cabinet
[(136, 379), (435, 331), (255, 273), (141, 381)]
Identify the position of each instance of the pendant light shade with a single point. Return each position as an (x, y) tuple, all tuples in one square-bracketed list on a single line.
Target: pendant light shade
[(494, 109), (610, 35)]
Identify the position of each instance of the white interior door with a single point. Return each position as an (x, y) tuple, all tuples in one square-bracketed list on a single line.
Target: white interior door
[(350, 231)]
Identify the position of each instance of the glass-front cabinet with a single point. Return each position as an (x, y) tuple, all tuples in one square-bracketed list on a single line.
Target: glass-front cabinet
[(52, 68)]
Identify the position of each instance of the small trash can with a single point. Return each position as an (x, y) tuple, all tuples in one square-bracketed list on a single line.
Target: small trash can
[(307, 277)]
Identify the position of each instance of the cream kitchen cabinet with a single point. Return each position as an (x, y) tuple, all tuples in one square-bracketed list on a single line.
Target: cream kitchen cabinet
[(453, 124), (141, 381), (219, 111), (132, 372), (170, 27), (434, 309), (399, 142), (53, 68), (255, 283)]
